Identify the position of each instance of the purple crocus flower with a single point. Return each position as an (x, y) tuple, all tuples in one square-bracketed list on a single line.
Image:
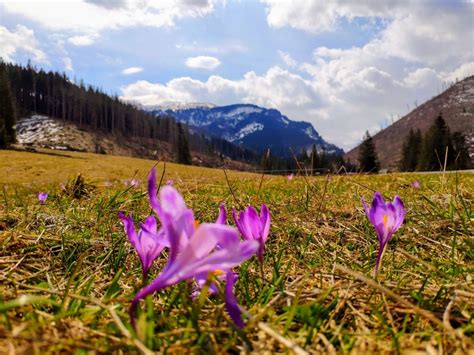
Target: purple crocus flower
[(170, 182), (290, 177), (415, 184), (254, 227), (194, 252), (42, 196), (148, 242), (131, 182), (386, 217)]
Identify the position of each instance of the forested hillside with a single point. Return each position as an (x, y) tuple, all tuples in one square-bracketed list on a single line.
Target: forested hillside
[(54, 95), (455, 105)]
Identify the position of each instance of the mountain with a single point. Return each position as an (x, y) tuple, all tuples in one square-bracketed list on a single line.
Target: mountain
[(250, 126), (457, 107)]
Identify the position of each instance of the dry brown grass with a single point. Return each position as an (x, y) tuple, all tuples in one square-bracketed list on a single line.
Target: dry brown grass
[(72, 261)]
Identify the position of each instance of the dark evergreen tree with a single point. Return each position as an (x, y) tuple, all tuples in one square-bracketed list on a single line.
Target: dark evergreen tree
[(368, 161), (184, 155), (314, 160), (462, 159), (411, 151), (7, 110), (435, 144)]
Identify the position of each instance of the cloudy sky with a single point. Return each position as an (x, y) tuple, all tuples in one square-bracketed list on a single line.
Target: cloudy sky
[(345, 66)]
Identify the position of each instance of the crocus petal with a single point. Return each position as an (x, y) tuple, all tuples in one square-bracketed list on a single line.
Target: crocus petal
[(129, 229), (185, 226), (203, 241), (239, 224), (400, 211), (222, 217), (377, 209), (231, 302), (171, 201), (223, 259), (244, 226), (253, 222), (150, 225), (153, 192), (151, 243), (265, 220)]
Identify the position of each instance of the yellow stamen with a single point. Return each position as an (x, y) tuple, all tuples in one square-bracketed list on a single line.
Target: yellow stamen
[(217, 272), (385, 218), (196, 224)]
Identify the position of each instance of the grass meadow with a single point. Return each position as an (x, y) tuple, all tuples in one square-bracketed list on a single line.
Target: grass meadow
[(68, 271)]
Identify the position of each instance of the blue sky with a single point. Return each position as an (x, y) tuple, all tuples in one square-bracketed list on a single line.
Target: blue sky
[(343, 66)]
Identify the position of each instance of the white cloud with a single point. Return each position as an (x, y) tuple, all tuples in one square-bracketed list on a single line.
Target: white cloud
[(203, 62), (132, 70), (319, 16), (287, 59), (277, 88), (465, 69), (228, 46), (108, 4), (68, 64), (96, 15), (21, 40), (83, 40)]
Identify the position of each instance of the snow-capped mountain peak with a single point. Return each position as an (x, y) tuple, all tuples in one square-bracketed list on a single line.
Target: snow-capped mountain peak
[(250, 125)]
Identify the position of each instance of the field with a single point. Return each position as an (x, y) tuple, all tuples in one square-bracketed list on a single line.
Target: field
[(68, 271)]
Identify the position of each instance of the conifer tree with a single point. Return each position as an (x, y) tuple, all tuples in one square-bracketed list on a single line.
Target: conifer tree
[(7, 110), (368, 161), (184, 155), (435, 143), (411, 151), (314, 160), (461, 156)]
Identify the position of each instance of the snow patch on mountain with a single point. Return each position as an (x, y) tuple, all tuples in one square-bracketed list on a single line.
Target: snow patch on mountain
[(170, 106), (285, 120), (310, 132), (248, 129), (244, 110)]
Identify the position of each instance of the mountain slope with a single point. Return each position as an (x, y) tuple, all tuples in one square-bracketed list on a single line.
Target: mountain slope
[(251, 126), (457, 107)]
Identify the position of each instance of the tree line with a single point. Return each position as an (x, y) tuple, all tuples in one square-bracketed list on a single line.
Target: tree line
[(25, 90), (437, 149), (308, 161)]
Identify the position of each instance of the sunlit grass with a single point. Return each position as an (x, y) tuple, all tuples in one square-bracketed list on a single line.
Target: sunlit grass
[(68, 273)]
